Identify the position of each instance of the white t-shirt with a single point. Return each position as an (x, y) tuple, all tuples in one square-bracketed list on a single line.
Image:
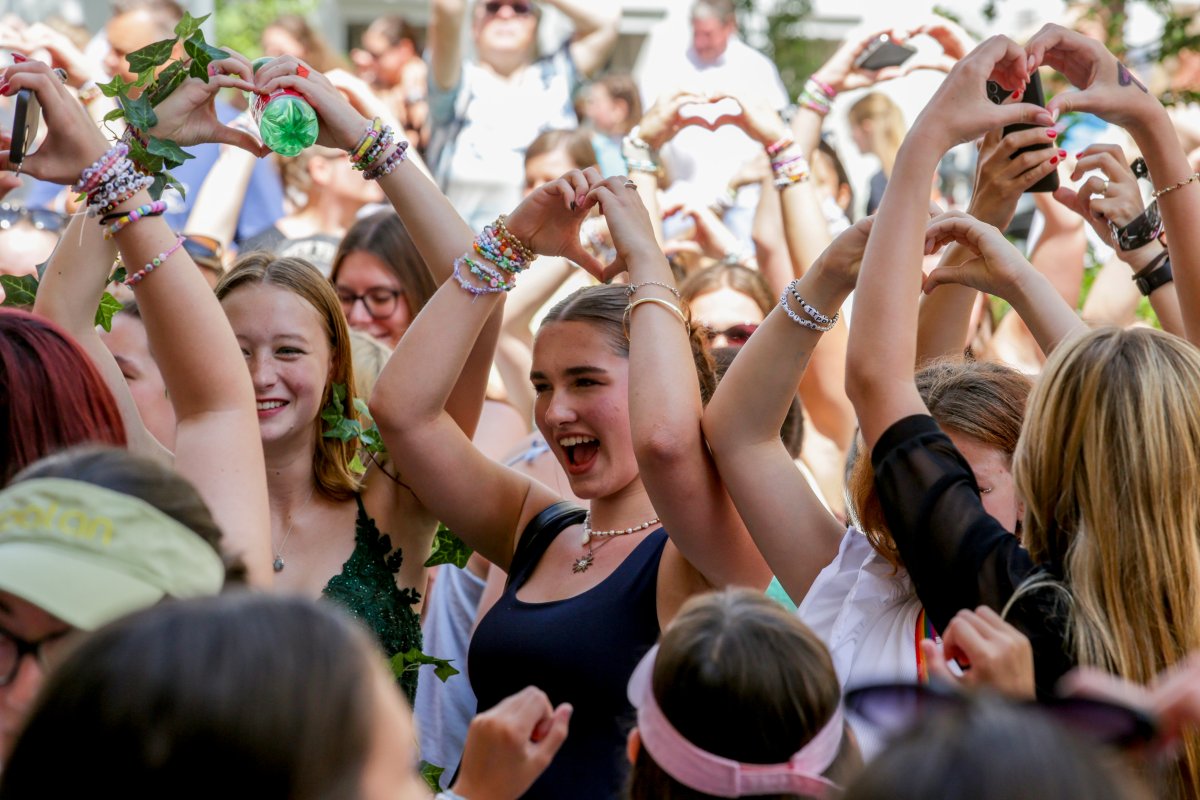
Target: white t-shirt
[(867, 616)]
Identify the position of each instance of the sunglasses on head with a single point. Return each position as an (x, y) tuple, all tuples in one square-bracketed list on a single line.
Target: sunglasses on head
[(492, 7), (736, 335), (894, 708), (198, 245), (41, 219)]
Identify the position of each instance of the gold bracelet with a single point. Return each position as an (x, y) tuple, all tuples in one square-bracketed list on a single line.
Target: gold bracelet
[(1160, 192), (676, 310)]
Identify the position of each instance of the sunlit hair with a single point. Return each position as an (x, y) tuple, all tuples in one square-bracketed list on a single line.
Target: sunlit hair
[(604, 307), (982, 400), (384, 236), (317, 52), (740, 677), (1107, 466), (51, 396), (888, 127), (621, 86), (331, 457), (722, 10), (575, 143), (729, 276)]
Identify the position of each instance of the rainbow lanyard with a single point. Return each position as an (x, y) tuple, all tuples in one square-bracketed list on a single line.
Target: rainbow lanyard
[(924, 630)]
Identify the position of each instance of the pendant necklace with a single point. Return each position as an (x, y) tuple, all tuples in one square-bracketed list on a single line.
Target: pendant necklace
[(582, 563), (279, 563)]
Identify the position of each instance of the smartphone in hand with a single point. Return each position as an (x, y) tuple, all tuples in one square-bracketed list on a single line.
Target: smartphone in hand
[(1035, 95), (883, 52), (27, 115)]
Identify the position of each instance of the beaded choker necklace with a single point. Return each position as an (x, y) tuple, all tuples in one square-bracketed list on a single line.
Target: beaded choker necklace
[(582, 563)]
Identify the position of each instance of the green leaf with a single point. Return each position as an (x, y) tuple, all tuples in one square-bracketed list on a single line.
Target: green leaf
[(144, 79), (117, 87), (414, 659), (168, 81), (19, 292), (189, 25), (432, 774), (170, 182), (357, 466), (140, 114), (118, 275), (115, 114), (448, 549), (344, 429), (360, 406), (109, 305), (152, 56), (202, 53), (172, 154)]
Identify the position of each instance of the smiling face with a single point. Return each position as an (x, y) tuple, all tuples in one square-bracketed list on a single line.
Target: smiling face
[(363, 278), (582, 407), (504, 29), (287, 349), (130, 347), (29, 622)]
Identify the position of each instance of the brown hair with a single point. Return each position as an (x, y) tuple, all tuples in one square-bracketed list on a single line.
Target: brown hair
[(982, 400), (331, 457), (739, 677), (575, 143), (621, 86), (384, 236), (317, 52), (729, 276), (604, 307)]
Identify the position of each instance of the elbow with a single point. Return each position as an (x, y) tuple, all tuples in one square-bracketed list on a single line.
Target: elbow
[(863, 381), (664, 447)]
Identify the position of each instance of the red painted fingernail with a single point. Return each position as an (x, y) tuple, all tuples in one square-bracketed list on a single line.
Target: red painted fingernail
[(1053, 134), (19, 59), (1054, 160), (1062, 153), (1017, 94)]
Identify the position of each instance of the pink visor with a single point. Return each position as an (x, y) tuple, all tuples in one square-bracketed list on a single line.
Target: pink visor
[(723, 777)]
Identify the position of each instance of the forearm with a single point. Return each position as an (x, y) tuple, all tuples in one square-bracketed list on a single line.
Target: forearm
[(1059, 253), (218, 201), (75, 277), (944, 317), (588, 17), (1048, 317), (1113, 298), (1180, 209), (445, 42), (770, 242), (804, 225), (806, 129)]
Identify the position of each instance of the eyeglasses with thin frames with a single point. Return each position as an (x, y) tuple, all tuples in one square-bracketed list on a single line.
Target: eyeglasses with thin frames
[(379, 301)]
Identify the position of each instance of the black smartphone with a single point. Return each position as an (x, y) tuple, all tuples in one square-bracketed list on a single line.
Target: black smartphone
[(1033, 94), (27, 116), (883, 52)]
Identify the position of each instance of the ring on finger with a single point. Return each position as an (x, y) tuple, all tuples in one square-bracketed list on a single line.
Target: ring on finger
[(61, 73), (630, 185), (1104, 191)]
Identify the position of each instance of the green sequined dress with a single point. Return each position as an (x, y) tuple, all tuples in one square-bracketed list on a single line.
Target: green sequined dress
[(366, 587)]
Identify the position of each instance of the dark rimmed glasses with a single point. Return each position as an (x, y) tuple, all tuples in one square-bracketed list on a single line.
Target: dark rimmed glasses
[(13, 648), (379, 301), (896, 707), (492, 7)]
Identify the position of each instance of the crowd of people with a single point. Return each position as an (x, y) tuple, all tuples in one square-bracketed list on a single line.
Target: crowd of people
[(322, 496)]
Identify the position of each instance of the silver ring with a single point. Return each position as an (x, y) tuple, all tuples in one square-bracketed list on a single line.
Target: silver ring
[(61, 73), (630, 185)]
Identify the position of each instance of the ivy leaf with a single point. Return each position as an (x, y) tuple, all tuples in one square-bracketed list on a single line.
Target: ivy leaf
[(448, 549), (168, 80), (118, 275), (344, 429), (357, 466), (151, 57), (414, 659), (109, 305), (202, 54), (116, 113), (117, 87), (171, 183), (141, 115), (432, 775), (172, 154), (19, 292), (189, 25)]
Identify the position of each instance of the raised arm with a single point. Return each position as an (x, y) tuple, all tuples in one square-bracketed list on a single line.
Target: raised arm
[(217, 439), (665, 407), (445, 42), (791, 527), (1109, 90), (882, 349), (595, 31)]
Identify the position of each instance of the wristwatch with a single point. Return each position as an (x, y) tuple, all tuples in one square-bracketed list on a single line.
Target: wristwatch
[(1155, 274), (1140, 231)]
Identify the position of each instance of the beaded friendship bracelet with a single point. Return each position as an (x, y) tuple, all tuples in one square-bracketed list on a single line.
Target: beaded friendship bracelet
[(154, 264), (468, 286), (119, 221), (493, 247), (490, 277), (506, 236), (826, 323), (790, 167), (397, 156), (373, 132)]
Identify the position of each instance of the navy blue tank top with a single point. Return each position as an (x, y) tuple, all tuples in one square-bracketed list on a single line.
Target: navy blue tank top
[(580, 650)]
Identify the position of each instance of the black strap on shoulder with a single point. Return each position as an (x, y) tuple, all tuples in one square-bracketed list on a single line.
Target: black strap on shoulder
[(539, 533)]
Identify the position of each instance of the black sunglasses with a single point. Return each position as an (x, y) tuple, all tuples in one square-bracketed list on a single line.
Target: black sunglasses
[(519, 9), (894, 708), (40, 218)]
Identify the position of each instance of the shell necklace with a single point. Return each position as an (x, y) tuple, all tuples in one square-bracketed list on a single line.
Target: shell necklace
[(279, 563), (582, 563)]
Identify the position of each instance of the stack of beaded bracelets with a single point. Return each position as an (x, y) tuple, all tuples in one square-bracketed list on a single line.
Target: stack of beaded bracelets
[(819, 322), (817, 96), (112, 180), (787, 162), (498, 245), (367, 154)]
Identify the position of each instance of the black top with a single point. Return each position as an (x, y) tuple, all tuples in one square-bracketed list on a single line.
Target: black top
[(580, 650), (958, 555)]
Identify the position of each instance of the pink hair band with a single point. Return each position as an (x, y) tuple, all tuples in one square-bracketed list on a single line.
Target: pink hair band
[(712, 774)]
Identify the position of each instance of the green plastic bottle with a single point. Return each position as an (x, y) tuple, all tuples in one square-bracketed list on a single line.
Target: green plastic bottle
[(286, 122)]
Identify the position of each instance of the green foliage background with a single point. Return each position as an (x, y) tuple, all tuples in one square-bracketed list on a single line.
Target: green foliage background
[(240, 23)]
